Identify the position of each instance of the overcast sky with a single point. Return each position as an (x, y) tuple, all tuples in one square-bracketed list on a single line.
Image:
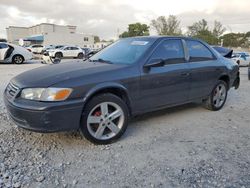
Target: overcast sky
[(105, 17)]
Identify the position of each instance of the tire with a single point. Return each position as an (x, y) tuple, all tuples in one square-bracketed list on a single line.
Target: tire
[(98, 125), (56, 61), (211, 103), (80, 56), (18, 59), (58, 55)]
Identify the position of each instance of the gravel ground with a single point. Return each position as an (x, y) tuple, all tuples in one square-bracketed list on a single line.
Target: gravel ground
[(187, 146)]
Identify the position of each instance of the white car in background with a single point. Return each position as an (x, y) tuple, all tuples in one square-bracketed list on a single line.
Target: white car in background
[(36, 48), (66, 52), (242, 58), (11, 53)]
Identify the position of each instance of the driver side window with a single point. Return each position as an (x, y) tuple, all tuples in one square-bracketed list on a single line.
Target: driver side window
[(170, 51)]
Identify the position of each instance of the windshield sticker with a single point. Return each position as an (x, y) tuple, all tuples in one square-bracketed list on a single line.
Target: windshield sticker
[(139, 43)]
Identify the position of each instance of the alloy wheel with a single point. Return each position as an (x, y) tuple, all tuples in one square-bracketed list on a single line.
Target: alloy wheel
[(105, 120), (18, 59), (219, 96)]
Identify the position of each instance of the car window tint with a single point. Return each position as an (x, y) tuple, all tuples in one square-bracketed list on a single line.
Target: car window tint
[(2, 45), (198, 51), (124, 51), (74, 48), (171, 51)]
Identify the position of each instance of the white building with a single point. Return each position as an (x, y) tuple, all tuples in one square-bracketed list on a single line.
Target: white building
[(49, 34)]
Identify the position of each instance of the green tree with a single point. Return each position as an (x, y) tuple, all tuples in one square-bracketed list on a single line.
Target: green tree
[(136, 29), (218, 29), (235, 40), (201, 30), (198, 28), (167, 25)]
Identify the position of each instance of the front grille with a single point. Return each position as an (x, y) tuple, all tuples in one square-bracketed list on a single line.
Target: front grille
[(12, 90)]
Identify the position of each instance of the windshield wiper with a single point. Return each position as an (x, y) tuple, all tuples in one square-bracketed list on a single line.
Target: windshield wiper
[(100, 60)]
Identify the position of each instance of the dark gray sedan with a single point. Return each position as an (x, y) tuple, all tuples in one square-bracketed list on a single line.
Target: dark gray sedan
[(130, 77)]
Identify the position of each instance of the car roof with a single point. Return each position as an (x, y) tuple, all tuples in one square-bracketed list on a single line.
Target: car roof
[(164, 36)]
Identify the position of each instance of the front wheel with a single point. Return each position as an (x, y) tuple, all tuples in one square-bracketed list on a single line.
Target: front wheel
[(218, 97), (58, 55), (104, 119)]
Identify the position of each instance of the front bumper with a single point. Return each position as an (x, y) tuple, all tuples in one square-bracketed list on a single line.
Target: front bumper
[(45, 117)]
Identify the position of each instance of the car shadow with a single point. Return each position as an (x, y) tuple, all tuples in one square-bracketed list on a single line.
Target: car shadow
[(70, 139), (137, 123)]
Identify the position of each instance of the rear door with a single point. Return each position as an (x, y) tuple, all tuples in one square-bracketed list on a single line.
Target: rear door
[(3, 51), (74, 51), (204, 69)]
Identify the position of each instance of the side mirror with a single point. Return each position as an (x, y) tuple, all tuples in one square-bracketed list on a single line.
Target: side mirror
[(154, 63)]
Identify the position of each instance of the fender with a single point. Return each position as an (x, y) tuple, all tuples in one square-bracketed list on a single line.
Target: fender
[(106, 85)]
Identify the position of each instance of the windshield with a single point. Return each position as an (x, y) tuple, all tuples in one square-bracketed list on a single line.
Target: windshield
[(124, 51)]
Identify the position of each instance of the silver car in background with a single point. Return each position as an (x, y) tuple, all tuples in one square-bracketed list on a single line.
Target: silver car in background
[(11, 53)]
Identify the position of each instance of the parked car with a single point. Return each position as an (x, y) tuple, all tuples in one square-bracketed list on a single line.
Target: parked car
[(51, 47), (130, 77), (36, 48), (66, 52), (86, 50), (242, 58), (89, 52), (11, 53)]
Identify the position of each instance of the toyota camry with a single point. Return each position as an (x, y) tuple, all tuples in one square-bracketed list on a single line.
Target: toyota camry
[(132, 76)]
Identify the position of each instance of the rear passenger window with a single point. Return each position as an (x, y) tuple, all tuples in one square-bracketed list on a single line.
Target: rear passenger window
[(171, 51), (198, 51)]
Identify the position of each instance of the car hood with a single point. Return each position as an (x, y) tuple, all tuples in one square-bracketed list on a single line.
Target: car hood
[(52, 74)]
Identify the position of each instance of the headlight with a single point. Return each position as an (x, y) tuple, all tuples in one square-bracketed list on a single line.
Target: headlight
[(46, 94)]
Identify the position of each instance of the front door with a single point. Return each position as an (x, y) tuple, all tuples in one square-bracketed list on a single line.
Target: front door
[(168, 84)]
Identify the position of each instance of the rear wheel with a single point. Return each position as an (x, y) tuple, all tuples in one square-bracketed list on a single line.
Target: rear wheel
[(18, 59), (218, 97), (80, 56), (104, 119)]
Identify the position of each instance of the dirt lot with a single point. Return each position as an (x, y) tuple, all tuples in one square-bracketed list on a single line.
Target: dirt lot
[(187, 146)]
